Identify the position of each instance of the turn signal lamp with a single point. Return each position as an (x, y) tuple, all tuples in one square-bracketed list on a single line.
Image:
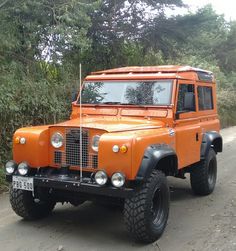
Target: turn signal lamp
[(17, 140), (123, 149)]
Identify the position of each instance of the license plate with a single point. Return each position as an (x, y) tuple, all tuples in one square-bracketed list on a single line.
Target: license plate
[(23, 183)]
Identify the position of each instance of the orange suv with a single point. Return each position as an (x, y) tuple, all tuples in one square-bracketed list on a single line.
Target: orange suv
[(129, 129)]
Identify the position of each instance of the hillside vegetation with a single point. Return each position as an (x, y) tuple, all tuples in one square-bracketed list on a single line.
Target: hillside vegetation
[(43, 42)]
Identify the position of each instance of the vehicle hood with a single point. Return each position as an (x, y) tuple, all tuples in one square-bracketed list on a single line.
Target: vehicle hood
[(112, 124)]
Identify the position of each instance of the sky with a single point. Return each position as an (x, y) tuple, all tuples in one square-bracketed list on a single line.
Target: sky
[(226, 7)]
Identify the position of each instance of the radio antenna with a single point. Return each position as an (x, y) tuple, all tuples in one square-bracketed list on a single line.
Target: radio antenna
[(80, 121)]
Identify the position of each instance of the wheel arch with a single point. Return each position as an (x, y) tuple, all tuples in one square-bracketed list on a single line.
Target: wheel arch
[(213, 140), (160, 157)]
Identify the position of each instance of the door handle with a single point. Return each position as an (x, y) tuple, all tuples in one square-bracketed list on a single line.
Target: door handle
[(197, 136)]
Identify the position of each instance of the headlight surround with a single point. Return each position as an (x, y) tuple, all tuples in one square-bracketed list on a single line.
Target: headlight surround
[(10, 167), (118, 180), (95, 142), (101, 178), (23, 168), (57, 140)]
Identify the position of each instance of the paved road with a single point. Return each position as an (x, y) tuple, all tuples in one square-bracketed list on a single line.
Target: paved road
[(195, 223)]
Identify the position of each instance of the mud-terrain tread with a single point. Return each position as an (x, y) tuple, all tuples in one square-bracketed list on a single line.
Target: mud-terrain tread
[(134, 210), (199, 175), (23, 204)]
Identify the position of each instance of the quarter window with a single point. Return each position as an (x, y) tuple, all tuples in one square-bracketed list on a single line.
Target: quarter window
[(205, 100)]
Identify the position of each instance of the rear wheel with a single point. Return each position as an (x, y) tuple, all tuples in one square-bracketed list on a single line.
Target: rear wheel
[(204, 174), (26, 206), (146, 213)]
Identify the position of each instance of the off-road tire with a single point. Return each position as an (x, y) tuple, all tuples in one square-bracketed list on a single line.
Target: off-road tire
[(24, 205), (146, 213), (203, 175)]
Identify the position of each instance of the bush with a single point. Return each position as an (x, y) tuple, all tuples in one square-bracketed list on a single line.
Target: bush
[(31, 99), (3, 183), (227, 107)]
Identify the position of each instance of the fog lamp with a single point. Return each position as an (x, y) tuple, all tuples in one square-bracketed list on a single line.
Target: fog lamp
[(23, 168), (118, 179), (10, 167), (101, 178)]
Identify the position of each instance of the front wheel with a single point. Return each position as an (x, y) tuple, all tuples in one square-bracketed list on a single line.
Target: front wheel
[(146, 213), (26, 206), (204, 174)]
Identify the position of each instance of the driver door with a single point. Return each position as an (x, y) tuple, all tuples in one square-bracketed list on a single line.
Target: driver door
[(187, 125)]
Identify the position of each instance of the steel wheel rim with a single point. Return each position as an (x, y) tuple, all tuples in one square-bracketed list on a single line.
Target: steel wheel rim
[(211, 172), (157, 208)]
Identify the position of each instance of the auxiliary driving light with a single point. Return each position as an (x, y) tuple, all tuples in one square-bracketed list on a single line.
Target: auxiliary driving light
[(23, 168), (10, 167), (118, 179), (101, 178)]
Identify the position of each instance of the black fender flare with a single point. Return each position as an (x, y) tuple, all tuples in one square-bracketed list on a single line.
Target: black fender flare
[(158, 156), (213, 140)]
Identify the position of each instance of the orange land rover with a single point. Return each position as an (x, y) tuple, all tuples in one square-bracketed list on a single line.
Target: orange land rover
[(130, 129)]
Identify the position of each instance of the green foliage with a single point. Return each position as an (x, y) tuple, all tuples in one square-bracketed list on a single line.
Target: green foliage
[(226, 51), (31, 101), (227, 106), (3, 183)]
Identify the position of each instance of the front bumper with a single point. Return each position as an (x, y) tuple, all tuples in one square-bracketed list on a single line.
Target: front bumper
[(86, 186)]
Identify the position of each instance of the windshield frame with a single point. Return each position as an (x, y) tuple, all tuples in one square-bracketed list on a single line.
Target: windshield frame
[(171, 104)]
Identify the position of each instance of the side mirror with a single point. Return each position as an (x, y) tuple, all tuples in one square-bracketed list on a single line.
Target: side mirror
[(74, 96), (189, 101)]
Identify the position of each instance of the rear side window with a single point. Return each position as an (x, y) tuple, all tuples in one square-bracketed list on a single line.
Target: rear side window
[(205, 99)]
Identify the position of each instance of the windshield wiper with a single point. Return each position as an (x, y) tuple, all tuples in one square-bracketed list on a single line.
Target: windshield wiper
[(132, 104), (118, 103), (110, 103), (128, 104)]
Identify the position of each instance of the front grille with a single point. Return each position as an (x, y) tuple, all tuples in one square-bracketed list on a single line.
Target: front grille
[(57, 157), (73, 150), (71, 155), (95, 161)]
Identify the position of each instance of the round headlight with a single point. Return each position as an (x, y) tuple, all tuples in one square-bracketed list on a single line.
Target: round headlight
[(95, 143), (57, 140), (118, 179), (23, 168), (10, 167), (101, 178)]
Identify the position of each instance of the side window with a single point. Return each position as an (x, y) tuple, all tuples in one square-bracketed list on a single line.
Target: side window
[(184, 91), (205, 99)]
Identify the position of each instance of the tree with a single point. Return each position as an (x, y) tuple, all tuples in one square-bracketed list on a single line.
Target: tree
[(226, 51), (117, 25)]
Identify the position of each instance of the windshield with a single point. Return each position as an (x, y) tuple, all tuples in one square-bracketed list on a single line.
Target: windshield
[(127, 93)]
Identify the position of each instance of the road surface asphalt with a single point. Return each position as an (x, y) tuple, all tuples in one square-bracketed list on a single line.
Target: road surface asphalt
[(195, 223)]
